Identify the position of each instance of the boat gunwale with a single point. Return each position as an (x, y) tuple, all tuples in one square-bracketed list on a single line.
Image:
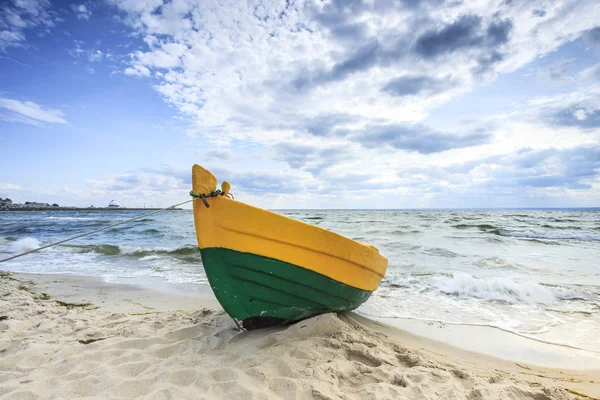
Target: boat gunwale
[(307, 248), (369, 247)]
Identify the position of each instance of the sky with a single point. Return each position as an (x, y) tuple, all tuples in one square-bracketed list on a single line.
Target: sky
[(302, 104)]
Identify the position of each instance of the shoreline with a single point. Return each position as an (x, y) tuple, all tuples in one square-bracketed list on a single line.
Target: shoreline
[(153, 294), (88, 209), (133, 301)]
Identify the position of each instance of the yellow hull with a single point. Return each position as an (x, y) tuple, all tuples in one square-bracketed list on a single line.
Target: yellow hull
[(233, 225)]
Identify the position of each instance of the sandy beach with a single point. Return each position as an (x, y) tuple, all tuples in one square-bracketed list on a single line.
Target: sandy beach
[(71, 337)]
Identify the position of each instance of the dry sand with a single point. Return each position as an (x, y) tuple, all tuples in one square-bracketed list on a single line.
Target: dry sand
[(144, 344)]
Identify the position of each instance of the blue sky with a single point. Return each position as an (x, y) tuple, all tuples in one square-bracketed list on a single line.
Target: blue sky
[(302, 104)]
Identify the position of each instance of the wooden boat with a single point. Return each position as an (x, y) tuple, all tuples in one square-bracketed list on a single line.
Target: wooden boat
[(267, 269)]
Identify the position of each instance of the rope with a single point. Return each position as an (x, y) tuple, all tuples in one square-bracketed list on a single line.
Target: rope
[(214, 193), (95, 231)]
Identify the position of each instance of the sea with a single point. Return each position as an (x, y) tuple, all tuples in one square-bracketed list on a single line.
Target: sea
[(535, 273)]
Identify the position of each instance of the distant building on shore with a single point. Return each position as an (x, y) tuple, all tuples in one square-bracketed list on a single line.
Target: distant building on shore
[(5, 204), (113, 204), (33, 204)]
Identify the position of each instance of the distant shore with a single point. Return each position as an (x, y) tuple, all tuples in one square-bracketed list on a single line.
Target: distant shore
[(85, 209)]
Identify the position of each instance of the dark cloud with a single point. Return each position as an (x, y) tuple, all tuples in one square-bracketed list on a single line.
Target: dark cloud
[(363, 52), (295, 154), (356, 182), (311, 158), (415, 4), (350, 32), (552, 181), (576, 165), (350, 179), (361, 59), (254, 182), (593, 36), (467, 33), (533, 168), (124, 182), (183, 175), (487, 61), (459, 34), (415, 84), (376, 133), (594, 72), (323, 124), (364, 58), (582, 117), (417, 138), (217, 154), (558, 70), (335, 12), (539, 13), (498, 32), (260, 182), (524, 158), (266, 182)]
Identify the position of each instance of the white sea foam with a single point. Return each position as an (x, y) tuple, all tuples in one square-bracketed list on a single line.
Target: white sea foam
[(23, 245), (494, 289)]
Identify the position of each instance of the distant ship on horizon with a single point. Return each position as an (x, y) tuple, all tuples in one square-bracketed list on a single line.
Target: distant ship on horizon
[(114, 204)]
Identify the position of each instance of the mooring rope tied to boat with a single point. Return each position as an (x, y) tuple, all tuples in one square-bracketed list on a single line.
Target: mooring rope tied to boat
[(95, 231)]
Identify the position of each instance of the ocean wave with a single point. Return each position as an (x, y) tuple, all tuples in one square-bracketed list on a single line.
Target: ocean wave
[(494, 289), (13, 230), (547, 235), (186, 253), (439, 252), (481, 227), (73, 218), (20, 245), (545, 220), (403, 233), (502, 289), (453, 220), (563, 220), (572, 228), (495, 263), (150, 231)]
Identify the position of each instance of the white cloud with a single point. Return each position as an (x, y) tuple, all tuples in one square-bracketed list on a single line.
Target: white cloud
[(81, 11), (137, 70), (17, 16), (96, 55), (79, 51), (29, 113), (134, 188), (324, 89), (230, 65), (590, 75), (9, 187), (558, 70), (580, 114)]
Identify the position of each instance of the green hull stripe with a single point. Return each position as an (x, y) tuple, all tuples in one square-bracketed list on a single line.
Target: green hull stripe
[(248, 285)]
